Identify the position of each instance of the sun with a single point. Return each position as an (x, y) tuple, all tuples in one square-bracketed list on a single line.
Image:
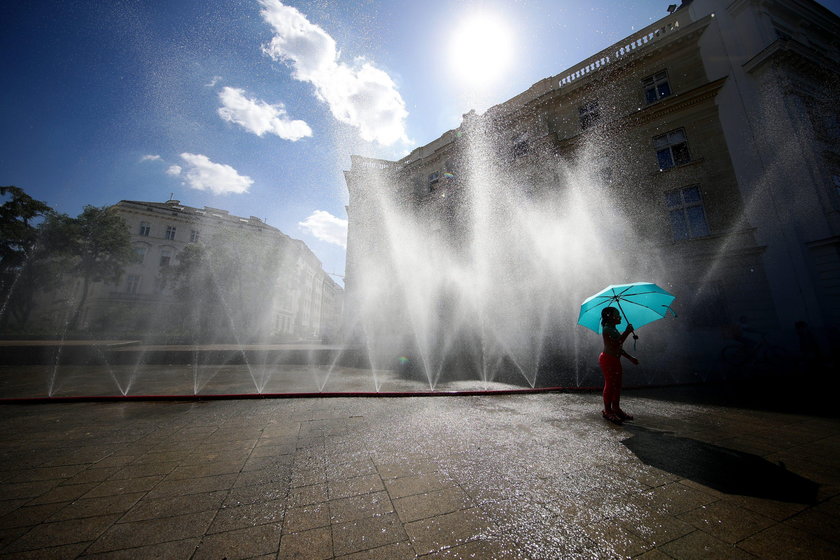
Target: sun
[(480, 50)]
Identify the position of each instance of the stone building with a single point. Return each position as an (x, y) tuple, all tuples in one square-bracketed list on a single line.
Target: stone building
[(256, 284), (714, 130)]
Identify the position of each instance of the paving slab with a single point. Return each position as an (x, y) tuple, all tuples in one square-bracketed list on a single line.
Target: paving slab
[(526, 476)]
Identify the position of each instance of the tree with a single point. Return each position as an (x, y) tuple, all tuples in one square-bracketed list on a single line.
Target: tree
[(97, 244), (229, 287), (196, 293), (21, 268)]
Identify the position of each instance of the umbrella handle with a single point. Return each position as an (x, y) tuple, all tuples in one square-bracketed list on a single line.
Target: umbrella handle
[(635, 336), (618, 303)]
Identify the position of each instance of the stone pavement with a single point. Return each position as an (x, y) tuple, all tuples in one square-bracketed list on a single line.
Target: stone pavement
[(488, 477)]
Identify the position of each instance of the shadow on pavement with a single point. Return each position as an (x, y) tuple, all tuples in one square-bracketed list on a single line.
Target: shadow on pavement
[(725, 470), (771, 395)]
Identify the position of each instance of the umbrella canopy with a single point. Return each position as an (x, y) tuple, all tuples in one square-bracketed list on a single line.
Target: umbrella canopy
[(639, 304)]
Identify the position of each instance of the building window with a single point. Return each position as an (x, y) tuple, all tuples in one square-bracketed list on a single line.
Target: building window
[(145, 228), (671, 149), (170, 233), (589, 114), (140, 253), (434, 178), (132, 284), (685, 209), (165, 257), (656, 87), (520, 147), (193, 236), (449, 170)]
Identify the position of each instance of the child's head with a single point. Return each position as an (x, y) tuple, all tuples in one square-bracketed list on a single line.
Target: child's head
[(610, 316)]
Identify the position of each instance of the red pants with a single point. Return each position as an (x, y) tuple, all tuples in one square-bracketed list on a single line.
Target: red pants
[(611, 368)]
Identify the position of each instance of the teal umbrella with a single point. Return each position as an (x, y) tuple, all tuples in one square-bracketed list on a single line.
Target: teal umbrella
[(639, 304)]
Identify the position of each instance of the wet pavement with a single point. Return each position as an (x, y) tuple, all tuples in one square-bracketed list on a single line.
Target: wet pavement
[(510, 476), (39, 369), (78, 381)]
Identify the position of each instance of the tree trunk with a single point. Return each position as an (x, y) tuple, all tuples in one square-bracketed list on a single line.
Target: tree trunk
[(74, 322)]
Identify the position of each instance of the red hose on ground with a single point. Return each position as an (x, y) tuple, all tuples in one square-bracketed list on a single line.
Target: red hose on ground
[(356, 394)]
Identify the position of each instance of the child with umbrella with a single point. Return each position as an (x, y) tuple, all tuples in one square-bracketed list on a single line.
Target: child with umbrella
[(639, 303), (610, 362)]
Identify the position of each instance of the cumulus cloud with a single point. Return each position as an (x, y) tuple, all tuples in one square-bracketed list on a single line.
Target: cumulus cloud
[(215, 80), (173, 170), (150, 157), (326, 227), (360, 95), (259, 117), (204, 175)]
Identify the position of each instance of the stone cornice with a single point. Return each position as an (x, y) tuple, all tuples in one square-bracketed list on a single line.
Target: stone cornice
[(674, 104), (654, 111), (793, 51), (834, 240), (689, 33)]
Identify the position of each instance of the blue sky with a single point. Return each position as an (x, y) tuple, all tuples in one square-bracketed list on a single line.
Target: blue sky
[(254, 106)]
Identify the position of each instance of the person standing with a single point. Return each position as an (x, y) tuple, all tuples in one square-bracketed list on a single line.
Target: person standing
[(610, 362)]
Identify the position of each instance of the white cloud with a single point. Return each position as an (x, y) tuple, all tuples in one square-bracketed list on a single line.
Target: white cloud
[(215, 80), (204, 175), (173, 170), (326, 227), (362, 95), (259, 117), (150, 157)]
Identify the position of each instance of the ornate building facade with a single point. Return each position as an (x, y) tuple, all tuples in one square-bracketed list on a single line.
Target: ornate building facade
[(249, 281), (715, 131)]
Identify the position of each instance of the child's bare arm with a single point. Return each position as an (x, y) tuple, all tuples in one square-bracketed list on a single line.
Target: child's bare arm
[(632, 359)]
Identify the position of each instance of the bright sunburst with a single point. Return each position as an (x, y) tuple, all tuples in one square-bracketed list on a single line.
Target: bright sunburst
[(480, 50)]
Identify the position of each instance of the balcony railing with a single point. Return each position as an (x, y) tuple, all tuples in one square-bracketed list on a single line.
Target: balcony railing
[(371, 163), (663, 28)]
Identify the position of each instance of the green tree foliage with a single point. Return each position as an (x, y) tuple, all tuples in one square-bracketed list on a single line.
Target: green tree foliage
[(227, 288), (22, 264), (95, 246)]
